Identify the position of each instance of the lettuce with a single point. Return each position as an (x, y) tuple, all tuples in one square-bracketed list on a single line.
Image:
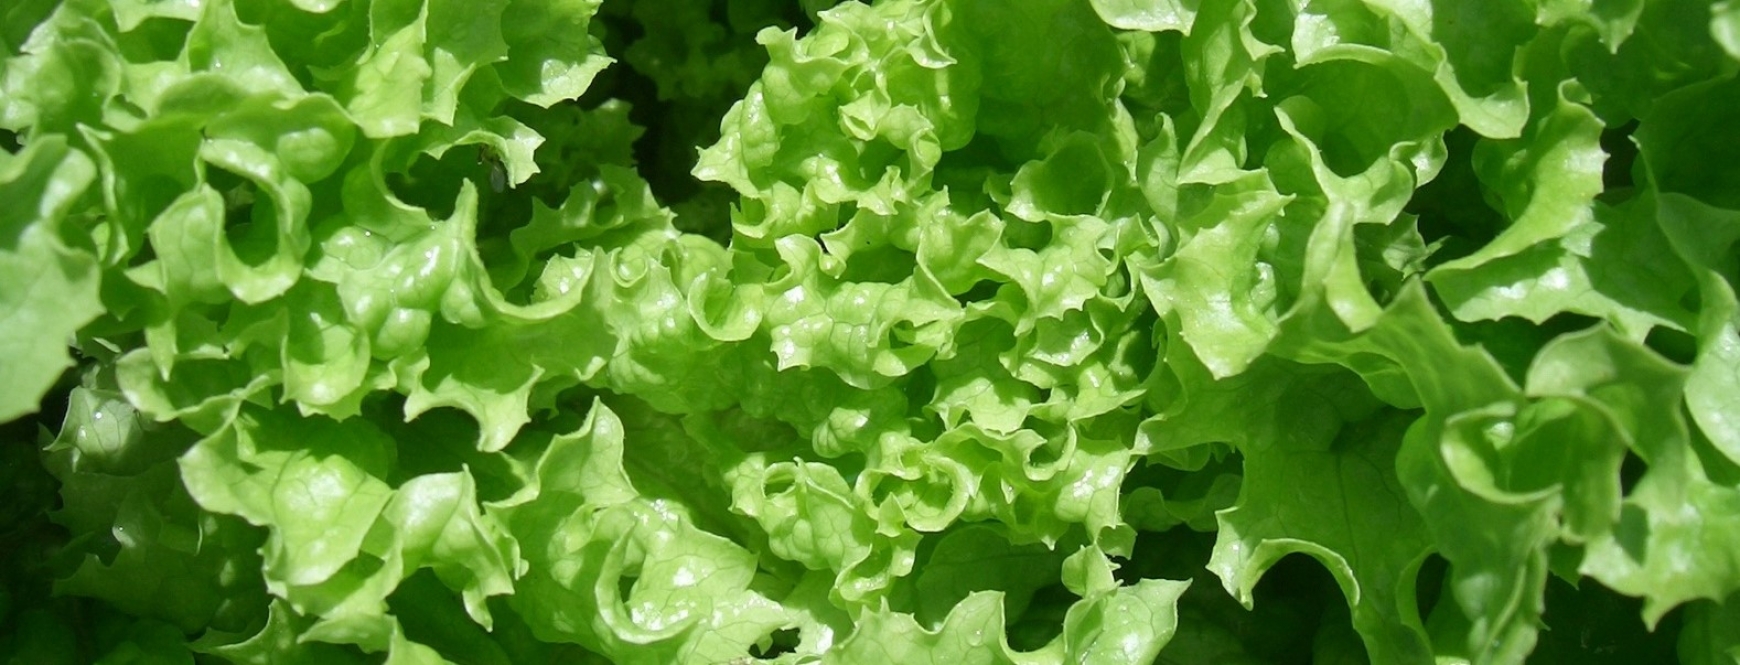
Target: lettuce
[(932, 331)]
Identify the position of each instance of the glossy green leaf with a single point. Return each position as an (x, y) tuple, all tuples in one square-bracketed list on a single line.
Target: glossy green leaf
[(50, 287)]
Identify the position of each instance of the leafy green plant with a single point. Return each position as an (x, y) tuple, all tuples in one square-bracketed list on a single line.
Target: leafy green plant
[(930, 331)]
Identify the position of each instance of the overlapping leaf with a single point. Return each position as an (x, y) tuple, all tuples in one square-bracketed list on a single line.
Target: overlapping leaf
[(404, 331)]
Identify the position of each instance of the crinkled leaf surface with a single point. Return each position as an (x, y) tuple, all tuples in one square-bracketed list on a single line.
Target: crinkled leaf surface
[(736, 331)]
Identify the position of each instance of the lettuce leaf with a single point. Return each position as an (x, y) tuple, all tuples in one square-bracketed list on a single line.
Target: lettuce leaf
[(424, 331)]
